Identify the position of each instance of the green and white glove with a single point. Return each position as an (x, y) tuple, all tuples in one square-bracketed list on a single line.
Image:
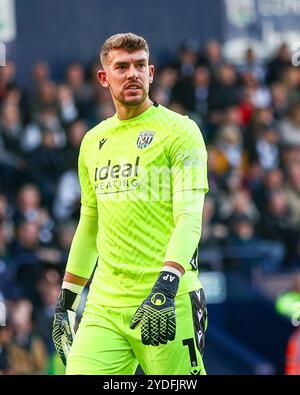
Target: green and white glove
[(63, 330), (157, 312)]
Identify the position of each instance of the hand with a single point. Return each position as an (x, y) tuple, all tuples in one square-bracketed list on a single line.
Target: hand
[(64, 322), (157, 312)]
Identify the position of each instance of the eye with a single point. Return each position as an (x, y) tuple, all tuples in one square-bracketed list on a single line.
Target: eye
[(121, 67), (141, 65)]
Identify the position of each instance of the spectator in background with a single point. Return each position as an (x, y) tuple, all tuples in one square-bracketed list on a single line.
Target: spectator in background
[(46, 97), (212, 237), (166, 79), (27, 353), (48, 287), (264, 148), (4, 253), (12, 163), (7, 285), (229, 149), (187, 58), (241, 243), (247, 250), (290, 154), (261, 117), (215, 169), (212, 57), (259, 94), (246, 106), (278, 64), (67, 197), (81, 90), (279, 99), (11, 128), (45, 165), (230, 184), (5, 340), (25, 262), (192, 92), (272, 180), (223, 91), (241, 203), (292, 189), (253, 178), (102, 107), (75, 134), (7, 79), (253, 65), (276, 222), (66, 105), (233, 118), (65, 234), (6, 221), (47, 118), (40, 75), (14, 98), (29, 209), (291, 80), (289, 127)]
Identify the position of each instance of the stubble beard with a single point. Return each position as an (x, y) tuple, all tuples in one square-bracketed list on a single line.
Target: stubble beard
[(133, 101)]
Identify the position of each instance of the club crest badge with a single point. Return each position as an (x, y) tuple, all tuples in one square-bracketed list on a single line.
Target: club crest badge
[(145, 138)]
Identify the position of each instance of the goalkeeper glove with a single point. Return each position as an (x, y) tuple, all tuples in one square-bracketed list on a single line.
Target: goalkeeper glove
[(157, 312), (64, 321)]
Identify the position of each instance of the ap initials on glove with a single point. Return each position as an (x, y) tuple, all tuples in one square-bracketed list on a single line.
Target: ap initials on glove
[(157, 312)]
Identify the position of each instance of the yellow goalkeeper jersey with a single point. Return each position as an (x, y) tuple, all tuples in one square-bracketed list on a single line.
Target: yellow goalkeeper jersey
[(129, 171)]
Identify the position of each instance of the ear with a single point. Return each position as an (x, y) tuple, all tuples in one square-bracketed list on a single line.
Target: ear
[(102, 78), (151, 73)]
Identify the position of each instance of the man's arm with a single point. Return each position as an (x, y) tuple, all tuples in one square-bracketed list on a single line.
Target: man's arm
[(81, 262), (83, 253), (159, 306), (187, 210), (80, 265), (188, 161), (188, 157), (187, 213)]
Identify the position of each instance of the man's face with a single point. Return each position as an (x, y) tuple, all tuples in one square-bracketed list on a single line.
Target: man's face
[(127, 75)]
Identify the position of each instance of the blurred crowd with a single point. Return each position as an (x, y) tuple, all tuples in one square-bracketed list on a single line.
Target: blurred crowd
[(249, 115)]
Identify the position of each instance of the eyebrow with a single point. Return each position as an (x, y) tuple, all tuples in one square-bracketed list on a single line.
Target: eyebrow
[(121, 63)]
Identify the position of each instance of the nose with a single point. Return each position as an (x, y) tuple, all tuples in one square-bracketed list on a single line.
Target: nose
[(132, 73)]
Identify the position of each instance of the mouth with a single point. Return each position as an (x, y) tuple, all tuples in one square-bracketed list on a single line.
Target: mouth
[(133, 87)]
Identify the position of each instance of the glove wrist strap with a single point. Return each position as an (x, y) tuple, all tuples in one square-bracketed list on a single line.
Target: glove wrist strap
[(77, 289), (68, 300), (167, 283), (172, 269)]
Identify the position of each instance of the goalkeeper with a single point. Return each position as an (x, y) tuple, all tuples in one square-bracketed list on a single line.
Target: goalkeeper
[(143, 180)]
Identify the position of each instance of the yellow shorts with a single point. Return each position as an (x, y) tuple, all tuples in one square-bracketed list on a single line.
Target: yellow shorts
[(104, 343)]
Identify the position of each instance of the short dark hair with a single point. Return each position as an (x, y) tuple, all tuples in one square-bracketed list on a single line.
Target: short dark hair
[(128, 41)]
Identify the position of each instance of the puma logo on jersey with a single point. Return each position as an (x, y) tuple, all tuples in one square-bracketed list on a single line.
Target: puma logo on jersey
[(169, 277)]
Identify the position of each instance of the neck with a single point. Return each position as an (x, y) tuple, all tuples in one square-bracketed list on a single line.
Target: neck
[(126, 112)]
